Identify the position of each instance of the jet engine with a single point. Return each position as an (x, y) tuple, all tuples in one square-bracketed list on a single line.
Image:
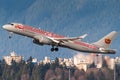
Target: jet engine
[(41, 40)]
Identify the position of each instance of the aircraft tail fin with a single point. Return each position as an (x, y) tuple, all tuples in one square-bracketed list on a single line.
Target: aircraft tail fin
[(106, 40)]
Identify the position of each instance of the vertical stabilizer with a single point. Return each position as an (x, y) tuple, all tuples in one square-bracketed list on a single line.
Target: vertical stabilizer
[(106, 40)]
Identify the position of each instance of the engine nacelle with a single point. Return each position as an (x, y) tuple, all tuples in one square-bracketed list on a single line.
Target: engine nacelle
[(41, 40), (37, 42)]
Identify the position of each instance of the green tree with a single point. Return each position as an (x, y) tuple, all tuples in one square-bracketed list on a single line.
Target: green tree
[(30, 59), (117, 70), (36, 73), (92, 65), (43, 70), (91, 76), (56, 62), (104, 63)]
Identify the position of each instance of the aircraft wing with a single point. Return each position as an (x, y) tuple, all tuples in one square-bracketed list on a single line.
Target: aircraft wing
[(71, 38), (59, 40), (46, 39)]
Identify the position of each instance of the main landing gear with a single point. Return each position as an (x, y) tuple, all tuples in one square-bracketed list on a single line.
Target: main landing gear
[(54, 49)]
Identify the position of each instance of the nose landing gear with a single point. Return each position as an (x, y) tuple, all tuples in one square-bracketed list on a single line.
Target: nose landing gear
[(11, 34)]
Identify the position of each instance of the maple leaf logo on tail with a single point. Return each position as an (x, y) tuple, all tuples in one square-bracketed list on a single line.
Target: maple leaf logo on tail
[(107, 41)]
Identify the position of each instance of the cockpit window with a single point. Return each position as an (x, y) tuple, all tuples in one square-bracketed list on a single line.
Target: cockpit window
[(12, 24)]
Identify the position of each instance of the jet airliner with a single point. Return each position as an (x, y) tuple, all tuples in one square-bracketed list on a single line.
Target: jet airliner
[(42, 37)]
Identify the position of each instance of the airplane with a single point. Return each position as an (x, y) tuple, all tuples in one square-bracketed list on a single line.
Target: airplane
[(42, 37)]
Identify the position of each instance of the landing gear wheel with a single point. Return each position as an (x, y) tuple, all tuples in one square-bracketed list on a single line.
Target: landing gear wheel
[(52, 49), (10, 37), (11, 34), (56, 49)]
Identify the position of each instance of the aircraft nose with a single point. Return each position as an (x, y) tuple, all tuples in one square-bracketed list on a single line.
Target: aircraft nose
[(4, 26)]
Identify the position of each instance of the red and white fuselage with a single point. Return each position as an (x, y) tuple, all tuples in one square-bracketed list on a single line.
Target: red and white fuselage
[(42, 37)]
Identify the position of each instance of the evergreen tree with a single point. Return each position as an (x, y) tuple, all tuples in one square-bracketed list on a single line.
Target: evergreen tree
[(100, 75), (104, 63), (36, 73), (92, 65), (117, 71), (44, 69), (56, 62), (30, 59), (54, 65), (91, 76)]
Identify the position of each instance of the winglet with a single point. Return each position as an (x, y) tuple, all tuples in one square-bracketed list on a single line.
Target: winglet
[(83, 36)]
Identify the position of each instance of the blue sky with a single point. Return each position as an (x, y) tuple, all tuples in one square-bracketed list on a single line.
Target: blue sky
[(65, 17)]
